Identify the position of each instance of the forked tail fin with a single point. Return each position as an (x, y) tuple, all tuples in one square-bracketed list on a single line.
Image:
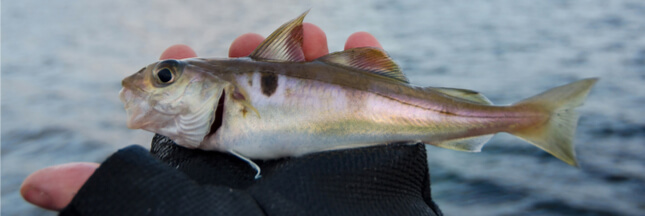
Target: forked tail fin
[(556, 135)]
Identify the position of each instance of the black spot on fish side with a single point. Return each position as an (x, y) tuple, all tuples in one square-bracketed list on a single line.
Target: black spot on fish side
[(269, 82)]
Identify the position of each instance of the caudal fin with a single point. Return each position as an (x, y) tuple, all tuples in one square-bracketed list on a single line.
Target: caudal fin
[(556, 135)]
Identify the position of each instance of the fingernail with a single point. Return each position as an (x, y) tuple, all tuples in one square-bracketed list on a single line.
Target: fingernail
[(38, 197)]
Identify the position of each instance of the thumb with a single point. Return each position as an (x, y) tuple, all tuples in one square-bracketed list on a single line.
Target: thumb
[(54, 187)]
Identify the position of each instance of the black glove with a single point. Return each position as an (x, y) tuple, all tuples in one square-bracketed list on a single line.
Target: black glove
[(172, 180)]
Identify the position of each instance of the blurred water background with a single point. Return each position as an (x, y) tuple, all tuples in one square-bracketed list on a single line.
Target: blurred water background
[(63, 61)]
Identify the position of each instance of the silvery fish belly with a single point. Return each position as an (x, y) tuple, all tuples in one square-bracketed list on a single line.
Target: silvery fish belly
[(275, 104)]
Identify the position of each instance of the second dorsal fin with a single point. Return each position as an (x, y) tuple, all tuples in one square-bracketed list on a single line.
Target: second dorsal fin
[(465, 94), (370, 59), (284, 44)]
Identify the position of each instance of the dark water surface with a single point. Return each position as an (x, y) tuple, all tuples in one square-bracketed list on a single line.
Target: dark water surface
[(63, 61)]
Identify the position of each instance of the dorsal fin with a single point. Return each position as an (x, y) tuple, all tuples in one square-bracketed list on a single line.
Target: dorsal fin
[(469, 95), (284, 44), (370, 59)]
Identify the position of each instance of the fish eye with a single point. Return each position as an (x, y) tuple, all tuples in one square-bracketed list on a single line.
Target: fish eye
[(164, 75), (167, 71)]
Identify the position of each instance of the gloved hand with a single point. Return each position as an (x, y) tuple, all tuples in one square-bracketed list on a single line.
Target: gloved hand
[(171, 180)]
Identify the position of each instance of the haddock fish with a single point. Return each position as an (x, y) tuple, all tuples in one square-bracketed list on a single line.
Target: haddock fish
[(275, 104)]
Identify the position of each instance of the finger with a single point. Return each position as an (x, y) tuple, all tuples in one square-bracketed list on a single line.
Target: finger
[(178, 51), (54, 187), (362, 39), (245, 44), (314, 42)]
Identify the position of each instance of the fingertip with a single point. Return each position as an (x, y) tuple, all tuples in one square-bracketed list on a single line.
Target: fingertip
[(38, 197), (244, 45), (178, 51), (54, 187), (362, 39), (314, 42)]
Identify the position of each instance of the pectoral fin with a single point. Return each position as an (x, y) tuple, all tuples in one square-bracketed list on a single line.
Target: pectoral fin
[(241, 98)]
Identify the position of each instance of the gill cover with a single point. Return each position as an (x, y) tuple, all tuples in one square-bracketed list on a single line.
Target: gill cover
[(173, 99)]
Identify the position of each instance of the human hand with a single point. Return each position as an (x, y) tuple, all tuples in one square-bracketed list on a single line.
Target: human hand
[(54, 187)]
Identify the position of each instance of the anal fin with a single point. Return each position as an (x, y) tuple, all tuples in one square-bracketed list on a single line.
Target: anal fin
[(469, 144)]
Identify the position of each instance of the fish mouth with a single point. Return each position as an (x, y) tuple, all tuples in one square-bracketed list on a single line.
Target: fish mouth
[(134, 113), (219, 115)]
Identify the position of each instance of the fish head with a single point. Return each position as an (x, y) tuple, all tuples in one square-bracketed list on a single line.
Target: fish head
[(173, 98)]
